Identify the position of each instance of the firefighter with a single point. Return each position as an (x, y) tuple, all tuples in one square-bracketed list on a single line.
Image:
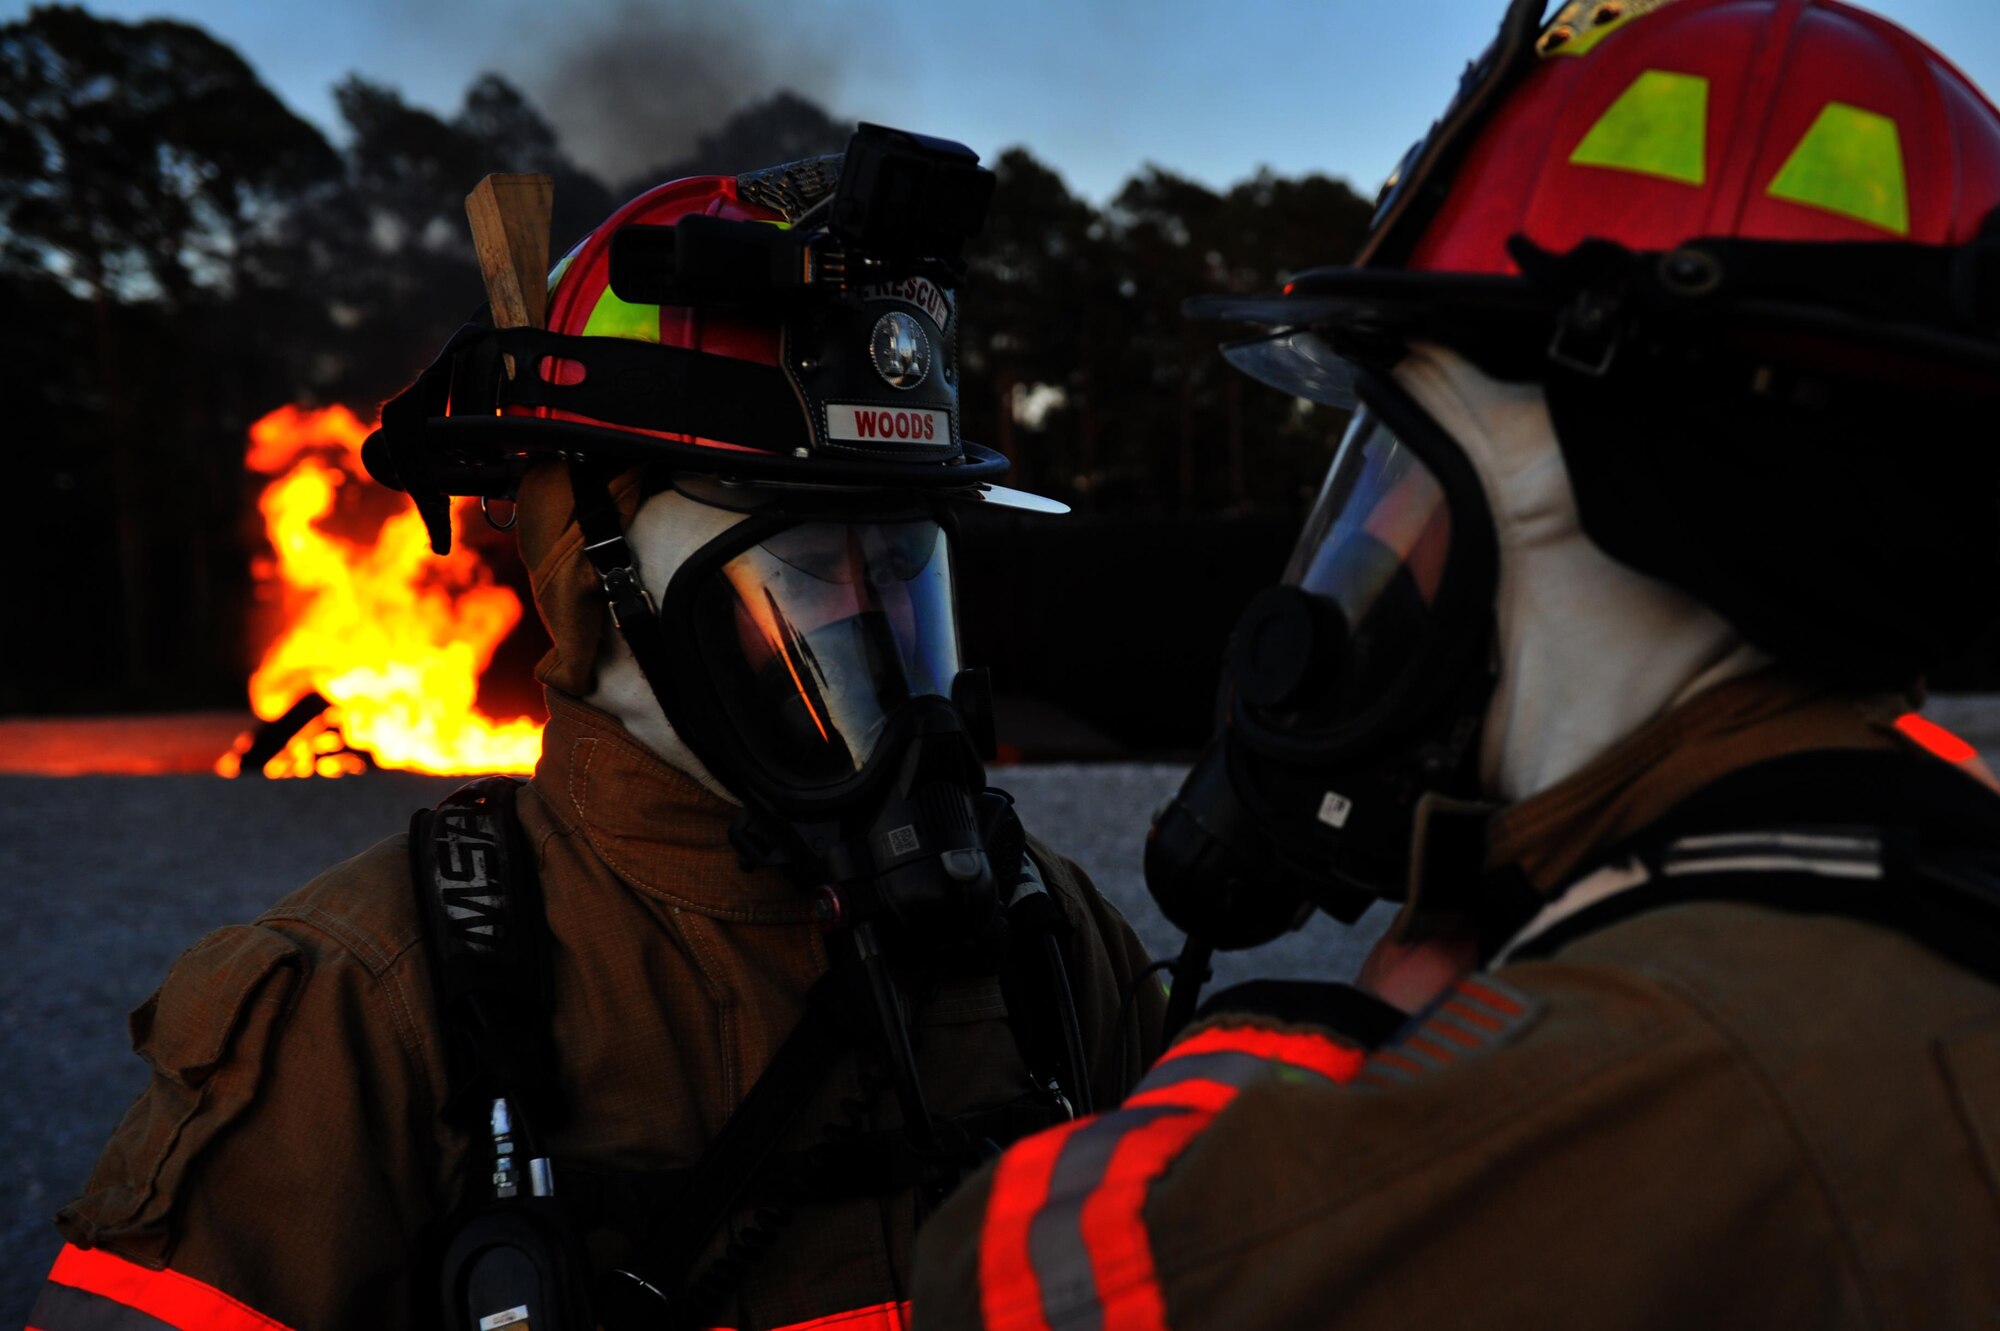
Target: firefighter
[(691, 1028), (1676, 348)]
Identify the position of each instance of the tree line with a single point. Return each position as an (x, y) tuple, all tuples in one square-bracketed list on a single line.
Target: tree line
[(179, 254)]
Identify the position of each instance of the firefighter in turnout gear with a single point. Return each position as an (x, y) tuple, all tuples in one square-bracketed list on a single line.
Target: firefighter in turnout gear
[(692, 1028), (1676, 348)]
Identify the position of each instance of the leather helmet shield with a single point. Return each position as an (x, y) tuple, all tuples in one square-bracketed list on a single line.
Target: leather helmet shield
[(877, 371), (813, 636)]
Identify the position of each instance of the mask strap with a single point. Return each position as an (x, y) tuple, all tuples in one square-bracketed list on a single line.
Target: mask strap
[(610, 554)]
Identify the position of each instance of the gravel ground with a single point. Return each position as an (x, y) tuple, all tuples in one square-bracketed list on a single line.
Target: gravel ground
[(107, 879)]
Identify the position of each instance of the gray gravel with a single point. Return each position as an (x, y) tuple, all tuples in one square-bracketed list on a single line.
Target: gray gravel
[(108, 879)]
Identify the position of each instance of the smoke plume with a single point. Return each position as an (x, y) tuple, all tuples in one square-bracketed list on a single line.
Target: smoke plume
[(633, 83)]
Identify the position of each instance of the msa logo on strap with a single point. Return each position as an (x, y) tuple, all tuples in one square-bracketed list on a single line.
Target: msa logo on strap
[(852, 424), (474, 902)]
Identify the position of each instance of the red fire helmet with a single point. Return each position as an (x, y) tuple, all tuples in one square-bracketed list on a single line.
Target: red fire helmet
[(794, 325), (1653, 122), (1751, 250), (582, 304)]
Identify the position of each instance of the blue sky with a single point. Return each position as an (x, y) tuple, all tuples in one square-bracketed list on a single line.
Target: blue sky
[(1094, 87)]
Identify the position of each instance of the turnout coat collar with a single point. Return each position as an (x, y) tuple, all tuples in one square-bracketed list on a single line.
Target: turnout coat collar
[(656, 827)]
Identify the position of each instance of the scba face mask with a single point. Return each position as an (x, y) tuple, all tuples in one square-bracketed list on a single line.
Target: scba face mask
[(805, 638), (1351, 690), (808, 656)]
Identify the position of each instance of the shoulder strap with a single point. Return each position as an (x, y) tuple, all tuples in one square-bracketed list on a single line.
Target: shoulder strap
[(1041, 1004), (479, 896), (1944, 898)]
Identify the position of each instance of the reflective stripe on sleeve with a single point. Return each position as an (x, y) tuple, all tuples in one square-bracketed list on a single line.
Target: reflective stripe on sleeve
[(878, 1317), (1309, 1053), (90, 1289), (1064, 1247)]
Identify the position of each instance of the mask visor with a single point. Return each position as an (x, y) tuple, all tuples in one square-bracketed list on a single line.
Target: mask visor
[(1375, 548), (817, 634)]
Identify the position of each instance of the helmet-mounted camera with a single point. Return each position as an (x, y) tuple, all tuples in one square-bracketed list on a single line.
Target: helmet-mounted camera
[(905, 205)]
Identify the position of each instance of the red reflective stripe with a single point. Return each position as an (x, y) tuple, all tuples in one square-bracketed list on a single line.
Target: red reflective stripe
[(1935, 739), (1494, 999), (1473, 1015), (1114, 1236), (168, 1295), (880, 1317), (1395, 1060), (1206, 1098), (1114, 1228), (1010, 1297), (1315, 1053)]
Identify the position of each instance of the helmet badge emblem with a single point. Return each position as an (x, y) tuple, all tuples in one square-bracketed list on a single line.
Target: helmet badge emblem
[(900, 349)]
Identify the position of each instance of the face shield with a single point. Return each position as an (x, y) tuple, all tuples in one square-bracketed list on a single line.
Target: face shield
[(816, 634), (1376, 589), (1354, 687), (1374, 551), (803, 638), (1358, 600)]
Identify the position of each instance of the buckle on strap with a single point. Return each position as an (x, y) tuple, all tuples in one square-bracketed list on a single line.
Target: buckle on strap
[(622, 587), (1588, 331), (612, 558)]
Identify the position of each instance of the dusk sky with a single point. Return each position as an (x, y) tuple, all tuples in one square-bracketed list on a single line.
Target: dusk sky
[(1093, 87)]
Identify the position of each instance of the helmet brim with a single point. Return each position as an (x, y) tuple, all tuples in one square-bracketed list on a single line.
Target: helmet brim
[(533, 440)]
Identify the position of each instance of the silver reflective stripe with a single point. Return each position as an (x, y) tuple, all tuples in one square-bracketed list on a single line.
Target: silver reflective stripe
[(1856, 856), (1774, 851), (1586, 892), (1732, 841), (1774, 864), (1056, 1248), (67, 1308), (1055, 1237)]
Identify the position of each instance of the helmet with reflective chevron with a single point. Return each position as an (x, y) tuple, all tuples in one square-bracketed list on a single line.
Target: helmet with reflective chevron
[(1751, 251), (1650, 123)]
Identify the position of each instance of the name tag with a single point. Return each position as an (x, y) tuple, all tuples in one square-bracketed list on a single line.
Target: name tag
[(890, 425)]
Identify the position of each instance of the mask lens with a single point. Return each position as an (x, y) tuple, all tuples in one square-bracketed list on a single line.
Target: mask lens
[(1375, 546), (816, 635)]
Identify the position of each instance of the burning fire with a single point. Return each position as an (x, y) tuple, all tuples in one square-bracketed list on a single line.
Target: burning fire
[(392, 636)]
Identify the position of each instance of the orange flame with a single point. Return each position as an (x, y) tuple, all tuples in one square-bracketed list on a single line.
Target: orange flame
[(395, 638)]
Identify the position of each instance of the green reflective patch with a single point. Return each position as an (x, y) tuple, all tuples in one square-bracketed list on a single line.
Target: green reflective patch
[(612, 317), (1657, 127), (1850, 162)]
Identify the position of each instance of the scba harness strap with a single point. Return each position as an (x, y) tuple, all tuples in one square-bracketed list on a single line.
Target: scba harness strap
[(1900, 840), (480, 900)]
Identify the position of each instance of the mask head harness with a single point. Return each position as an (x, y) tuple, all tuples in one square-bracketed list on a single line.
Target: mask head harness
[(1788, 430)]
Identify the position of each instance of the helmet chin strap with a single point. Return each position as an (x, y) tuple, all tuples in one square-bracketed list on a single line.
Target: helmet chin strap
[(1588, 650), (668, 527)]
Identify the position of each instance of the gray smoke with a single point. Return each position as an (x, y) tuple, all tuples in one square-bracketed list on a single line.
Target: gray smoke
[(630, 84)]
